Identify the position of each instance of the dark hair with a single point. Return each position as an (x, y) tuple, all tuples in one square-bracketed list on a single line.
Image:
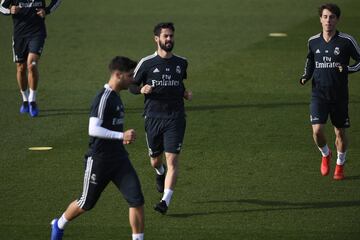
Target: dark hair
[(331, 7), (158, 27), (122, 64)]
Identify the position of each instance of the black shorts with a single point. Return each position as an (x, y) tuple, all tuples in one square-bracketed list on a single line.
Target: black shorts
[(23, 46), (339, 115), (99, 172), (164, 134)]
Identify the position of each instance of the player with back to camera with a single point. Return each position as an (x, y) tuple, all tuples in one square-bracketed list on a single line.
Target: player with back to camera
[(160, 78), (107, 160), (28, 43), (328, 64)]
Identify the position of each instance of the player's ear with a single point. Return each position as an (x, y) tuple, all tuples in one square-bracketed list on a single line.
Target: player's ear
[(117, 74), (156, 38)]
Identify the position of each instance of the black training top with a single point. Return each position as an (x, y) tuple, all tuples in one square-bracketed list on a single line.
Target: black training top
[(26, 21), (327, 64), (108, 107), (166, 76)]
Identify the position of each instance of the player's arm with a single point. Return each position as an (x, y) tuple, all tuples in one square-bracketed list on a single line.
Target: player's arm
[(96, 130), (188, 95), (309, 67), (355, 54), (54, 4), (5, 6), (42, 12), (139, 78), (135, 89)]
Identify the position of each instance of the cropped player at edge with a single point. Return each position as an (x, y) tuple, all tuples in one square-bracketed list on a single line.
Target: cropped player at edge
[(328, 64), (107, 159), (28, 43), (160, 77)]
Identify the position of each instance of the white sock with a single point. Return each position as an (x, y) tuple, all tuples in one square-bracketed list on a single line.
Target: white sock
[(62, 221), (167, 196), (138, 236), (324, 150), (25, 95), (160, 170), (32, 95), (341, 158)]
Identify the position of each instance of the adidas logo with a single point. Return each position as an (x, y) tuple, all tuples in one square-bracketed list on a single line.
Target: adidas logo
[(317, 51), (156, 70)]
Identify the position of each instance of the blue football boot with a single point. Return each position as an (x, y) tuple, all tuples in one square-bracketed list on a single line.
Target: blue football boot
[(33, 109), (56, 232), (24, 107)]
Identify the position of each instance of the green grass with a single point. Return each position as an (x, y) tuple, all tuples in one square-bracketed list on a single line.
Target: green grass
[(249, 168)]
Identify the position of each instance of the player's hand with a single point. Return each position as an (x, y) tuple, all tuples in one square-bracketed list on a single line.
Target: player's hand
[(129, 136), (40, 12), (188, 95), (342, 69), (14, 9), (146, 89), (303, 81)]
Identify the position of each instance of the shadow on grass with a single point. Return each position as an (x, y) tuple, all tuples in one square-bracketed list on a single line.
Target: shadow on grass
[(63, 112), (269, 206), (349, 178), (82, 111)]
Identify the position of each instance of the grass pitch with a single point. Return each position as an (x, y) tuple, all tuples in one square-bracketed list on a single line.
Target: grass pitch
[(249, 168)]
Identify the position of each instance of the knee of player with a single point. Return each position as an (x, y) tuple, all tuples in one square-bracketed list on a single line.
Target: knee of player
[(32, 66), (317, 132), (21, 67)]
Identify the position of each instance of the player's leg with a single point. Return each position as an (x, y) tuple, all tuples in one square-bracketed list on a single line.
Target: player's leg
[(23, 86), (95, 181), (160, 170), (35, 49), (33, 72), (154, 140), (136, 219), (341, 144), (340, 119), (172, 161), (318, 116), (127, 181), (20, 55), (320, 139), (173, 138), (33, 78)]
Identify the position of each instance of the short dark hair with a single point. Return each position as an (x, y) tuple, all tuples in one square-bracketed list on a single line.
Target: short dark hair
[(159, 26), (331, 7), (122, 64)]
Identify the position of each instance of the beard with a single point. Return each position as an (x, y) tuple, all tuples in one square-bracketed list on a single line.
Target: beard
[(167, 46)]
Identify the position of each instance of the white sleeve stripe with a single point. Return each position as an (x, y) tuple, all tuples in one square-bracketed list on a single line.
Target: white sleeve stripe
[(142, 61), (102, 104), (354, 68), (180, 57), (4, 10), (56, 5), (314, 37), (352, 40), (305, 72)]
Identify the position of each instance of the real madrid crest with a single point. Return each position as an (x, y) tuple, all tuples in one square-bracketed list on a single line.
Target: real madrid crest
[(178, 69), (336, 51)]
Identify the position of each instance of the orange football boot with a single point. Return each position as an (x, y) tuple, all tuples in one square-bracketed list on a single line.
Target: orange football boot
[(339, 172), (325, 162)]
